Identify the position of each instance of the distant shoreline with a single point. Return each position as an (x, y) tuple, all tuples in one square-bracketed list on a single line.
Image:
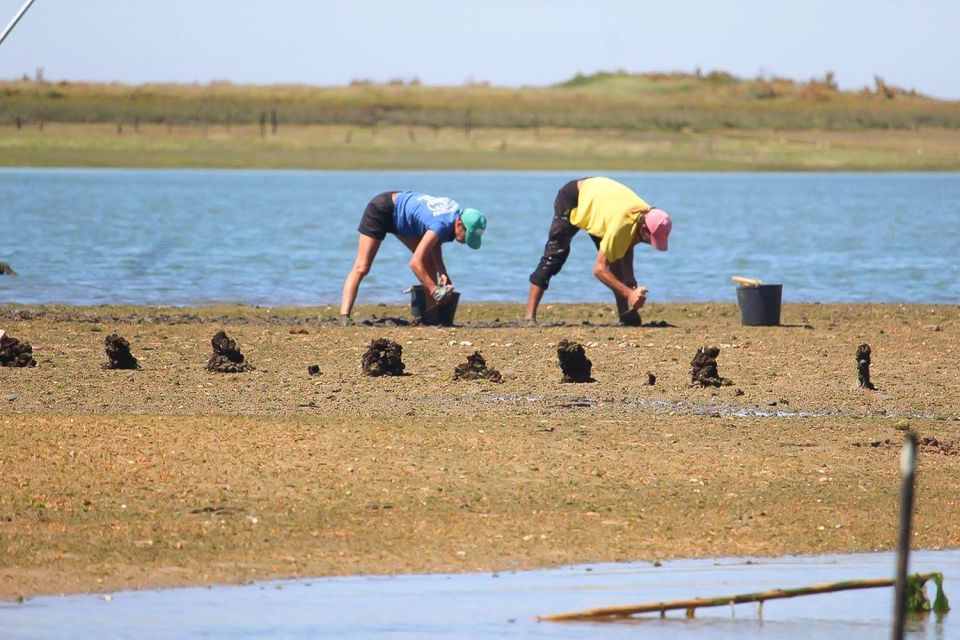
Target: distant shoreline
[(407, 147)]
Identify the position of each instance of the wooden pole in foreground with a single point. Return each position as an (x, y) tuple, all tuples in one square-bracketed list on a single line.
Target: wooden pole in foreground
[(722, 601), (908, 464)]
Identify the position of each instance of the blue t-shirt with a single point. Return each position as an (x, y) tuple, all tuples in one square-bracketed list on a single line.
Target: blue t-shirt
[(414, 213)]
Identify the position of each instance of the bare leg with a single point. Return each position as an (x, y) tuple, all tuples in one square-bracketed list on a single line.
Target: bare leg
[(366, 251), (533, 301)]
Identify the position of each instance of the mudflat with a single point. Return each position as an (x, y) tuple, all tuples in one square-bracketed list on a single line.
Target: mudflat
[(172, 475)]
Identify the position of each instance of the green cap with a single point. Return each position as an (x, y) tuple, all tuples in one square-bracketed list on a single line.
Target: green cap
[(474, 222)]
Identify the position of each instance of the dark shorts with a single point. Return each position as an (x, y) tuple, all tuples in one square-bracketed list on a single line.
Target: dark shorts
[(377, 220), (557, 249)]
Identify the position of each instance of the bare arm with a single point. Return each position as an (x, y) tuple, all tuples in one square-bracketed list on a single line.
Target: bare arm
[(601, 269), (422, 257)]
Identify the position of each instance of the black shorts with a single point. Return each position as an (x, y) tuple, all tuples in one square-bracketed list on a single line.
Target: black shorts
[(377, 220), (557, 249)]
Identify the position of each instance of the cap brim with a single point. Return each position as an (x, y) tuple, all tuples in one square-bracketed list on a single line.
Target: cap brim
[(473, 242), (659, 245)]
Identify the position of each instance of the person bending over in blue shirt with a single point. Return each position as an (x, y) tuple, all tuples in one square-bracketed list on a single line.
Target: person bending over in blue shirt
[(421, 222)]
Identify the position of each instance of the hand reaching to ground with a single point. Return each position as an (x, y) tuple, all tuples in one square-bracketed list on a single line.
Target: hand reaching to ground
[(442, 292), (637, 297)]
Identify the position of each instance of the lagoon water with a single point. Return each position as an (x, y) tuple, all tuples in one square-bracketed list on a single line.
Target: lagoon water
[(184, 237), (475, 606)]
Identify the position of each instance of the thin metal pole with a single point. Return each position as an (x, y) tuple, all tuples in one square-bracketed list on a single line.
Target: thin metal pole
[(16, 19), (908, 464)]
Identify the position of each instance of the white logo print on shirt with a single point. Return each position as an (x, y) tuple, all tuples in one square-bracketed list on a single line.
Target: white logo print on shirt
[(440, 206)]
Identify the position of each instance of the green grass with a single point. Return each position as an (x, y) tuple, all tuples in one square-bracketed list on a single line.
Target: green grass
[(410, 147), (604, 121), (636, 102)]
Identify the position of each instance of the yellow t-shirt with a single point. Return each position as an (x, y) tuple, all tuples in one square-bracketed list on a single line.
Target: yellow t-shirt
[(608, 210)]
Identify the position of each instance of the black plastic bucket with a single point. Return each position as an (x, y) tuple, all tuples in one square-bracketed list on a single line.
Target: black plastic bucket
[(435, 315), (760, 306)]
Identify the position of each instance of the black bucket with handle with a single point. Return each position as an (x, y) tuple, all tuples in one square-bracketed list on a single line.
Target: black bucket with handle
[(760, 305), (435, 314)]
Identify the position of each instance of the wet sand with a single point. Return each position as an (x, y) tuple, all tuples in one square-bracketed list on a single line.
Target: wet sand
[(172, 475)]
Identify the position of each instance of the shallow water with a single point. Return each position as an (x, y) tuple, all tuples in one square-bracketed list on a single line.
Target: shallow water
[(504, 605), (288, 237)]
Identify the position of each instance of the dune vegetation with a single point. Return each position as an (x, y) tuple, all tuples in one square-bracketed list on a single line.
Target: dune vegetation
[(709, 121)]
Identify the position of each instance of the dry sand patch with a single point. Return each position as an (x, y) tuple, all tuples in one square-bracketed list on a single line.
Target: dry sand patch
[(173, 475)]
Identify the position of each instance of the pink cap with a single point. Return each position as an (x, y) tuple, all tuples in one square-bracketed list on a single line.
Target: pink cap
[(659, 225)]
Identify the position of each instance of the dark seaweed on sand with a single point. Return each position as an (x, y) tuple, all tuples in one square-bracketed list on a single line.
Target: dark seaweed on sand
[(704, 368), (573, 362), (863, 367), (14, 353), (475, 368), (226, 357), (118, 353), (383, 358)]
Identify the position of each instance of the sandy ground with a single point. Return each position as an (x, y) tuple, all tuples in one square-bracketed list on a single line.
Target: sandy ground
[(172, 475)]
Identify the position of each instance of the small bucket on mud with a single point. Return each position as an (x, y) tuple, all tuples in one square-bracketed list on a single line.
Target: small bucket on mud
[(436, 314), (760, 304)]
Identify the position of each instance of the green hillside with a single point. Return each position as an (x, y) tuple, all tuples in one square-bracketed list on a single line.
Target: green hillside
[(641, 102)]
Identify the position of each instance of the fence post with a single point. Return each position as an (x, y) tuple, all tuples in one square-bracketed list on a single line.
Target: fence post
[(908, 463)]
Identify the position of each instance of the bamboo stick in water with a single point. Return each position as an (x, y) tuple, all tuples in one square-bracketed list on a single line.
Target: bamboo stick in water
[(695, 603)]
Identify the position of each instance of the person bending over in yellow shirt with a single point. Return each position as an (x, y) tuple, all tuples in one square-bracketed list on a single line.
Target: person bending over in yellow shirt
[(616, 219)]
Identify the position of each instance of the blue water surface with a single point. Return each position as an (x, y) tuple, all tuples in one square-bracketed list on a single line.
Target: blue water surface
[(475, 606), (184, 237)]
